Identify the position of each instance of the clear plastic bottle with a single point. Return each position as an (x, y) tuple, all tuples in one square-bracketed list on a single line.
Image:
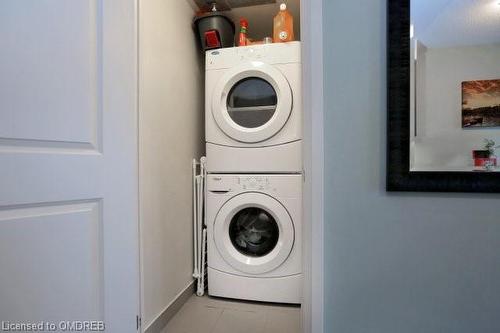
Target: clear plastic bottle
[(283, 26)]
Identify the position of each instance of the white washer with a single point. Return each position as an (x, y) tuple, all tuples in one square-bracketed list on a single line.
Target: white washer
[(253, 110), (254, 237)]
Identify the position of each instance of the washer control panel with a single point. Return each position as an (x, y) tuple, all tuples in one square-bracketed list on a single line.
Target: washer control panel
[(254, 183), (274, 185)]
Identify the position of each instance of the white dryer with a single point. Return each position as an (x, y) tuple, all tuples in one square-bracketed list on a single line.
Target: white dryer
[(253, 110), (254, 237)]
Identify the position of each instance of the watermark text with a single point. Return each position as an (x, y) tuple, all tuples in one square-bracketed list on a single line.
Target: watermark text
[(61, 326)]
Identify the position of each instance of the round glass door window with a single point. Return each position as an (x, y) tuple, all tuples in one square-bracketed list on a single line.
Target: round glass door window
[(253, 232), (252, 102)]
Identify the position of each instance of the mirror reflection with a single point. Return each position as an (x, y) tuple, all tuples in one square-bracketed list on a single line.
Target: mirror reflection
[(455, 85)]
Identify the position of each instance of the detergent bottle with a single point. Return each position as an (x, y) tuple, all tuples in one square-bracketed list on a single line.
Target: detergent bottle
[(283, 26)]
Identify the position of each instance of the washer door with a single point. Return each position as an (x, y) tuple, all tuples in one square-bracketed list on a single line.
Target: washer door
[(254, 233), (252, 102)]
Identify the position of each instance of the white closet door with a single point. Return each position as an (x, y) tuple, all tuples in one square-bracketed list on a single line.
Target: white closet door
[(68, 162)]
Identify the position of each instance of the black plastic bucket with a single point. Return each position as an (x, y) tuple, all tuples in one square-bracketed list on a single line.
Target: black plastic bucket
[(215, 30)]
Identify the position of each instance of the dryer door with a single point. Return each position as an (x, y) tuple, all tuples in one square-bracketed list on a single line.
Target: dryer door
[(254, 233), (252, 102)]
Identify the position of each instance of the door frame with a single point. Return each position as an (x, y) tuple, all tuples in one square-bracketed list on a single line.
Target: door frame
[(311, 20), (120, 81)]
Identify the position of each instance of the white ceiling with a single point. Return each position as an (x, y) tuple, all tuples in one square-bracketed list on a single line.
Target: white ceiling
[(448, 23), (260, 17)]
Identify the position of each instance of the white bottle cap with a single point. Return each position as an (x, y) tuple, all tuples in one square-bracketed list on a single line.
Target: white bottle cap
[(283, 6)]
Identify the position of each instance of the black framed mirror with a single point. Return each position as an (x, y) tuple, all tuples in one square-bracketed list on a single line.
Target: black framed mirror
[(443, 120)]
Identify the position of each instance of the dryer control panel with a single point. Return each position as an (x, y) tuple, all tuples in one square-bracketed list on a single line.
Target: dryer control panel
[(274, 53)]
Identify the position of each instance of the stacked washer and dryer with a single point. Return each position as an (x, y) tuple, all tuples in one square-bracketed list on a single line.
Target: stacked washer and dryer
[(254, 165)]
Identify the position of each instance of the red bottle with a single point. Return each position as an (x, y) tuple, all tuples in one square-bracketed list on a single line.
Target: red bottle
[(242, 41)]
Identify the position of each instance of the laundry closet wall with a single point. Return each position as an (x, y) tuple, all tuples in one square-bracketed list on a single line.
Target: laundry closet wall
[(393, 262), (171, 134)]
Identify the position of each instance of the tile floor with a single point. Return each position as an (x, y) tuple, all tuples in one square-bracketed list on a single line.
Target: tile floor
[(216, 315)]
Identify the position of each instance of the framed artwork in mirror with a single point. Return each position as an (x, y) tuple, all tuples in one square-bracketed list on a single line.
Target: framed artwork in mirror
[(481, 103)]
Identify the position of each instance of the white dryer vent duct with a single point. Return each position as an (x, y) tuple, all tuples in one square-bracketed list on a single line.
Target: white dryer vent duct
[(228, 4)]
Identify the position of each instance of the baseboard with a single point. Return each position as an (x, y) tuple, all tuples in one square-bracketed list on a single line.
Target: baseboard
[(163, 318)]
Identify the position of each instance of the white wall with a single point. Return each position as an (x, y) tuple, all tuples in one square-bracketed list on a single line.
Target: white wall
[(394, 262), (171, 134), (441, 141)]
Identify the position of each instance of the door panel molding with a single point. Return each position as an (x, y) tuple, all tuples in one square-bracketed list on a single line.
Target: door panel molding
[(52, 235), (64, 81), (10, 145)]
